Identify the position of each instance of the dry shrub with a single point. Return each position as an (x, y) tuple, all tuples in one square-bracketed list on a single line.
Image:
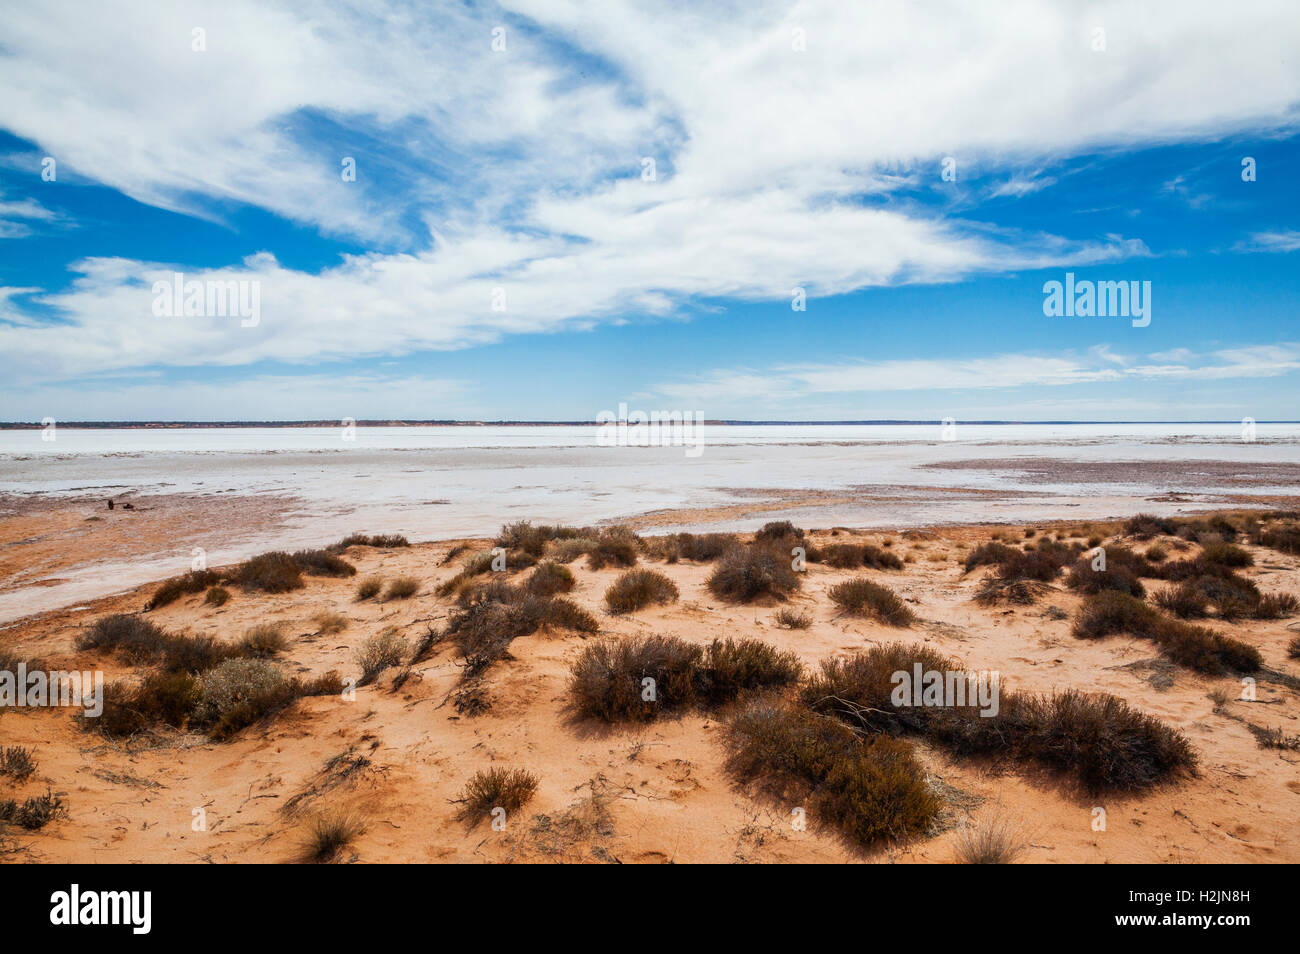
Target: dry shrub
[(851, 556), (17, 763), (369, 588), (550, 579), (34, 813), (607, 679), (1099, 738), (1276, 606), (379, 541), (987, 554), (637, 589), (496, 787), (161, 698), (1293, 648), (996, 839), (614, 546), (1283, 537), (862, 597), (274, 572), (1195, 647), (328, 623), (195, 654), (1144, 526), (1227, 554), (217, 596), (569, 615), (130, 637), (323, 563), (263, 641), (566, 551), (868, 790), (1115, 577), (379, 653), (793, 619), (779, 533), (1018, 591), (238, 693), (476, 565), (733, 666), (747, 573), (328, 834), (402, 588), (195, 581)]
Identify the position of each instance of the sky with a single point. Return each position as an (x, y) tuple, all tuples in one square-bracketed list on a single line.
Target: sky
[(540, 209)]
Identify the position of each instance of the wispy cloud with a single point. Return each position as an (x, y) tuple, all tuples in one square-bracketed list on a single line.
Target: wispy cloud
[(1281, 241), (785, 383)]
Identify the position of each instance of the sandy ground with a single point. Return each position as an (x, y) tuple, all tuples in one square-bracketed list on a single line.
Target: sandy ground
[(399, 757)]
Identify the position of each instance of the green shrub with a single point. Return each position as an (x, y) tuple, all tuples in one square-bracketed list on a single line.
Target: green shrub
[(637, 589)]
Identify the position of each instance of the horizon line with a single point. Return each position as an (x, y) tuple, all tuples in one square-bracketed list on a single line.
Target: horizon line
[(450, 422)]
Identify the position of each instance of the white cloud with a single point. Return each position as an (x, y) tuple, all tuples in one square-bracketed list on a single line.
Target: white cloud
[(789, 383), (526, 170), (1282, 241)]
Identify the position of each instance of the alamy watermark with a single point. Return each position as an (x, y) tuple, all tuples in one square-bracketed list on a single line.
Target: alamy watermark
[(212, 298), (1089, 299), (651, 429), (21, 688), (947, 689)]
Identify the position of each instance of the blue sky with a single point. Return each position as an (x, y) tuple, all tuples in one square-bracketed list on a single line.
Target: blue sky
[(794, 145)]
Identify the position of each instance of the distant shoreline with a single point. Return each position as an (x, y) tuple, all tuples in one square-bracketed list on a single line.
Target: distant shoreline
[(188, 425)]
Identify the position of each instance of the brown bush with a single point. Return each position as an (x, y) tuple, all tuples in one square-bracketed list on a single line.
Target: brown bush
[(496, 787), (195, 581), (865, 598), (747, 573), (867, 790), (637, 589), (274, 572), (607, 679), (550, 579)]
